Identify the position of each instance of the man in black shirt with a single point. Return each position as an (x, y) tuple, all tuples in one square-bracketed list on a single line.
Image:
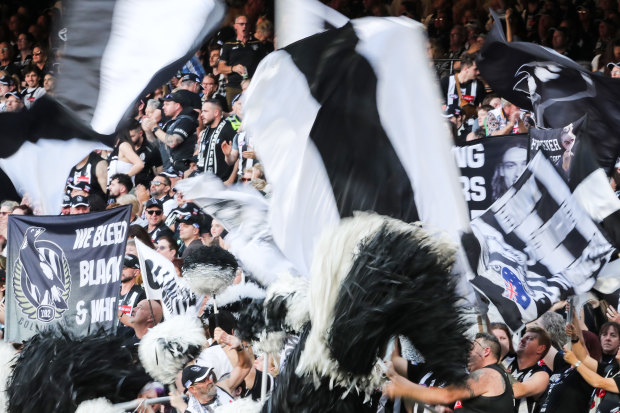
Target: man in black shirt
[(487, 388), (148, 153), (239, 59), (217, 131), (179, 132), (155, 218), (130, 295)]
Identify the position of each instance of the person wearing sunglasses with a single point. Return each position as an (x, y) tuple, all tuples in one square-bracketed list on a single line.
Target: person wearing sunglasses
[(160, 189), (155, 219)]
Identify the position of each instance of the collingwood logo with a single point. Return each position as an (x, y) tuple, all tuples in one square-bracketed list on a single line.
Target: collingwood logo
[(41, 278)]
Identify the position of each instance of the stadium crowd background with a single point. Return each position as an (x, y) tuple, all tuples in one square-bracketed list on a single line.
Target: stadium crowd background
[(193, 123)]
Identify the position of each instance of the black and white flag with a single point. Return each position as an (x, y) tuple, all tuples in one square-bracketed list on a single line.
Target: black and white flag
[(337, 132), (489, 166), (556, 89), (64, 269), (115, 52), (538, 246), (161, 282), (244, 212)]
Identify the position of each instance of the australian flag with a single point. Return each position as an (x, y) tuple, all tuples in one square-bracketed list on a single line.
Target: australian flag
[(538, 246)]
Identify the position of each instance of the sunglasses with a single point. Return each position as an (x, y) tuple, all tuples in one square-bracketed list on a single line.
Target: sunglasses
[(156, 183), (245, 179), (154, 211)]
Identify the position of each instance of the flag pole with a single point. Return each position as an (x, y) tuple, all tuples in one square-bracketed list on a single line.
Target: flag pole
[(569, 318)]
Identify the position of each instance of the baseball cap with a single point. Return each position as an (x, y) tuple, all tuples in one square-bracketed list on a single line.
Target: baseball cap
[(196, 374), (190, 76), (612, 65), (192, 219), (235, 99), (6, 80), (66, 201), (154, 203), (14, 94), (176, 97), (79, 200), (82, 186), (173, 172), (452, 111), (131, 261)]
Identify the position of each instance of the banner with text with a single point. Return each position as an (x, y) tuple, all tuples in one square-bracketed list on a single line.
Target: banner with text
[(64, 269), (161, 282), (489, 166)]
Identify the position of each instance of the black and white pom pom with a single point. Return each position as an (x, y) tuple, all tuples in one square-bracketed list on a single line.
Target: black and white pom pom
[(209, 270), (375, 277), (170, 345), (56, 371), (235, 298)]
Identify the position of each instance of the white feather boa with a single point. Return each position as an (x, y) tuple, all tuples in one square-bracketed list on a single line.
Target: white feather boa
[(7, 358), (100, 405), (163, 350), (244, 405)]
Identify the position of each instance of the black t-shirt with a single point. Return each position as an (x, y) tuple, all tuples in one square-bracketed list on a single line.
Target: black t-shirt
[(160, 230), (608, 402), (210, 154), (152, 159), (418, 373), (126, 303), (567, 392), (500, 403), (247, 54), (183, 125)]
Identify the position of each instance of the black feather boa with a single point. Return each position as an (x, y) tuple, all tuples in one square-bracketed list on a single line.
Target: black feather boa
[(57, 371), (399, 284), (293, 393)]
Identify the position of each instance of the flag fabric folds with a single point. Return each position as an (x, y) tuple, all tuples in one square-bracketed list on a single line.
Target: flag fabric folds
[(338, 130), (243, 211), (558, 90), (161, 282), (115, 52), (538, 246)]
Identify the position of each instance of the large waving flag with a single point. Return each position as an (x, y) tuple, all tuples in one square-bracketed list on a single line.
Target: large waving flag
[(558, 90), (115, 52), (539, 245), (243, 211), (338, 131)]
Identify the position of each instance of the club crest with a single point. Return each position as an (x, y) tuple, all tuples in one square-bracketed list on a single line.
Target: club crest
[(41, 278)]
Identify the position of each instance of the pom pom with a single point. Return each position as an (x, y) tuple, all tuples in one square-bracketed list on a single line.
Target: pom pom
[(209, 270), (170, 345)]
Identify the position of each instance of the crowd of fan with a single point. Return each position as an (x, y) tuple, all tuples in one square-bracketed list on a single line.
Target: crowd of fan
[(194, 124)]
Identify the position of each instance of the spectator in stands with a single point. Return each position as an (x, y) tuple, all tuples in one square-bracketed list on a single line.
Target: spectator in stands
[(49, 83), (214, 140), (129, 199), (532, 379), (6, 59), (190, 87), (93, 171), (34, 91), (120, 184), (149, 154), (189, 233), (463, 89), (123, 159), (24, 49), (504, 336), (179, 132), (458, 37), (39, 59), (505, 120), (79, 205), (239, 59), (487, 388), (160, 189), (14, 102), (167, 246), (7, 85), (155, 219)]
